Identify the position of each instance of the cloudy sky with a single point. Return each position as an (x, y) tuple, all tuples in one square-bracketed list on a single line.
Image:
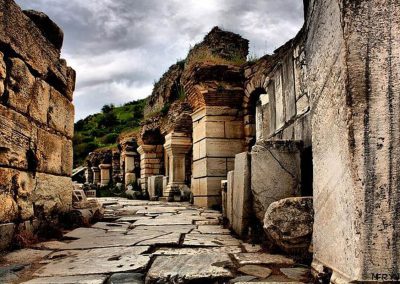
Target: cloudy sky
[(120, 47)]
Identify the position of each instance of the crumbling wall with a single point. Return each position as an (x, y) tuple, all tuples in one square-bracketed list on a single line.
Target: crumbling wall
[(165, 91), (36, 121)]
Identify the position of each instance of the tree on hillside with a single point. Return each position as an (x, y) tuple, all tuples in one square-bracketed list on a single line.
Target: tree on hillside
[(107, 108)]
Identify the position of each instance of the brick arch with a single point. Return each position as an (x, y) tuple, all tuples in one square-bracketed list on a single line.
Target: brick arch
[(254, 87)]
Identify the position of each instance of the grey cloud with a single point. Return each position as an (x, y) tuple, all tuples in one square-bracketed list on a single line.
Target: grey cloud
[(120, 47)]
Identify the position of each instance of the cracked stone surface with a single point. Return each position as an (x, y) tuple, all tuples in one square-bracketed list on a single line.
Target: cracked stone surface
[(96, 261), (210, 240), (185, 268), (183, 229), (149, 242), (198, 250)]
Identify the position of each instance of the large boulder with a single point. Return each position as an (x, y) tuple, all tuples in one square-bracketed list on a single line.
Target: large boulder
[(288, 223)]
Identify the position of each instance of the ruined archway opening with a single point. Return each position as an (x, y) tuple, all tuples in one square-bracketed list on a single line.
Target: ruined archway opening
[(256, 115)]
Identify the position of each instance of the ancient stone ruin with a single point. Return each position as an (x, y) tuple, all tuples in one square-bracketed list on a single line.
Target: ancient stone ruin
[(298, 149), (36, 123)]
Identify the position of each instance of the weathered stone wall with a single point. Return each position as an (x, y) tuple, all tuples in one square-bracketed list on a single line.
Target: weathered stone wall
[(276, 96), (36, 119), (355, 129)]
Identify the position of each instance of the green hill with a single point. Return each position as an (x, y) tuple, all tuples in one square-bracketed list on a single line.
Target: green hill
[(102, 129)]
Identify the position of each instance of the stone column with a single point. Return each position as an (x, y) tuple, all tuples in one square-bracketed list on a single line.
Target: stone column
[(217, 137), (96, 175), (130, 176), (177, 145), (89, 175), (150, 162), (105, 174)]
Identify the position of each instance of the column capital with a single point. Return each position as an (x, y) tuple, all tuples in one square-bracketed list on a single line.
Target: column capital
[(130, 154), (105, 166), (177, 143), (143, 149)]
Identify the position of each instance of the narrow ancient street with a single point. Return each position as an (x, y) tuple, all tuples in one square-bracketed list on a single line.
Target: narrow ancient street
[(150, 242)]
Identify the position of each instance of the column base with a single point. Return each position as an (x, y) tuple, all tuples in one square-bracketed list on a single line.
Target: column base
[(173, 192)]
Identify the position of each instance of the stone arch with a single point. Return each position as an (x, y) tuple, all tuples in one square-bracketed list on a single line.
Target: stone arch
[(254, 88)]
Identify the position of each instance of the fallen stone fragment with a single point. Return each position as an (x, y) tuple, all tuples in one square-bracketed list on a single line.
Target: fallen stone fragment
[(296, 273), (81, 279), (210, 240), (256, 270), (126, 278), (96, 261), (263, 258), (288, 223), (188, 268)]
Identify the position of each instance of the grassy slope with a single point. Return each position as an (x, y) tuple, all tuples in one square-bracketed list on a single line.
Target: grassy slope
[(101, 130)]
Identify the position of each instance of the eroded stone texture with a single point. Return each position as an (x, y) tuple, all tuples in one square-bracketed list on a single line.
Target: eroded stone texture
[(97, 261), (241, 196), (355, 121), (289, 224), (186, 268), (210, 240), (276, 173), (36, 117)]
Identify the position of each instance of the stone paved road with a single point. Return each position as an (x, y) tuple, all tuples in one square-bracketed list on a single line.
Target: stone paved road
[(150, 242)]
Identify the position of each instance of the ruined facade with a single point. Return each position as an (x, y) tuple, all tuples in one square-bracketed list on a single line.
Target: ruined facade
[(317, 119), (36, 122)]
